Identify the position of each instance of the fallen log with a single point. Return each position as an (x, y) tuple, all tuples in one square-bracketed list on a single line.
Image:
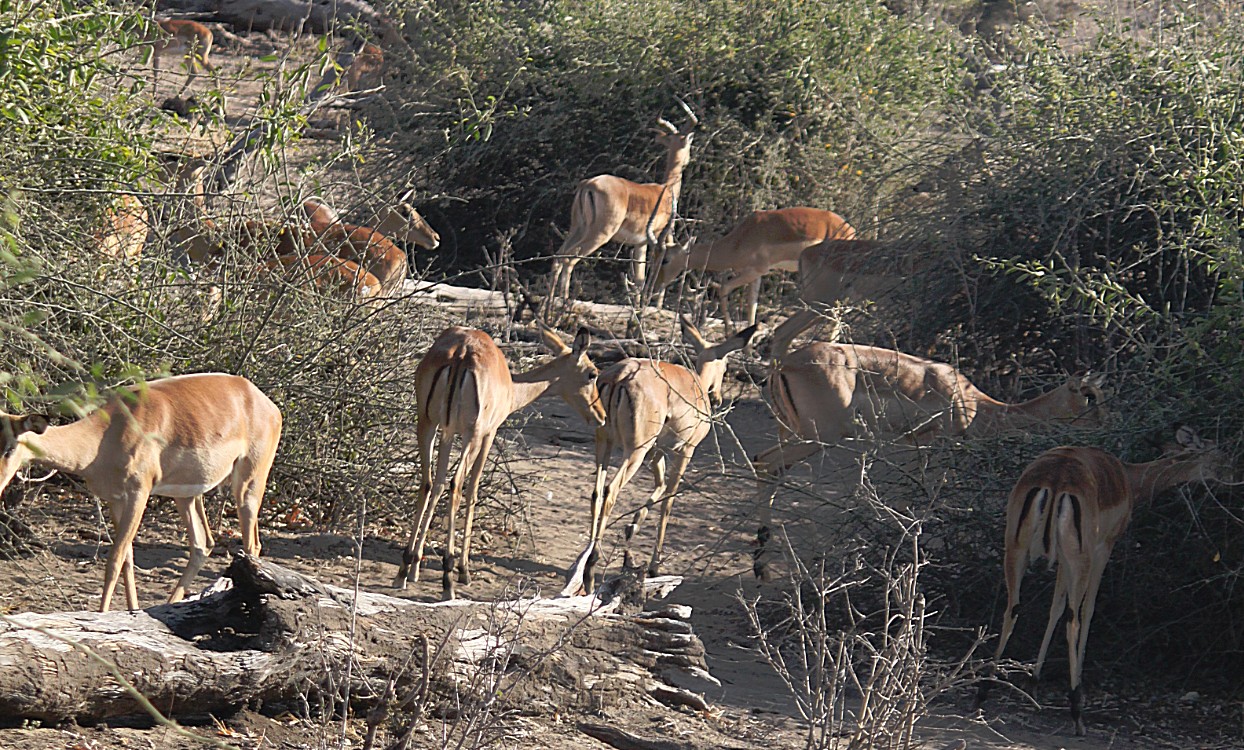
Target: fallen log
[(265, 633)]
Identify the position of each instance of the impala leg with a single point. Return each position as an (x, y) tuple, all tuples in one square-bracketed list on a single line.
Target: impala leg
[(769, 466), (1058, 605), (1013, 567), (131, 587), (200, 540), (250, 481), (472, 494), (667, 504), (658, 481), (625, 472), (1075, 626), (425, 436), (127, 514), (591, 553), (753, 302), (449, 559), (639, 268), (201, 512)]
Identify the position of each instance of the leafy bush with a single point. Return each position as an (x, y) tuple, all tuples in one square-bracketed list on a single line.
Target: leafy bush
[(511, 104)]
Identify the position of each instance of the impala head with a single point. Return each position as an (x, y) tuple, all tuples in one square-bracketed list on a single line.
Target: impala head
[(710, 360), (576, 383), (675, 261), (319, 214), (11, 430), (1210, 463), (1084, 401), (401, 221), (676, 139)]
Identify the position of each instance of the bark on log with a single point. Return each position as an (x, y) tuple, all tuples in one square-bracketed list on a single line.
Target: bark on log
[(267, 633), (315, 16)]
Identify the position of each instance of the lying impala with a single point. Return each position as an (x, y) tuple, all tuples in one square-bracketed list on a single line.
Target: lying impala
[(765, 241), (608, 208), (329, 273), (652, 404), (1069, 507), (124, 228), (838, 270), (817, 391), (464, 389), (178, 437), (327, 235)]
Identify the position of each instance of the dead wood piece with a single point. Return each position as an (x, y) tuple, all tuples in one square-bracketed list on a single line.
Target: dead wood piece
[(627, 741), (315, 16), (276, 635)]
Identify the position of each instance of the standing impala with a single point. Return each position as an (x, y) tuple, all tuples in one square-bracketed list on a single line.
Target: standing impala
[(1069, 507), (464, 388), (817, 392), (836, 270), (608, 208), (652, 404), (178, 437), (190, 42), (763, 242)]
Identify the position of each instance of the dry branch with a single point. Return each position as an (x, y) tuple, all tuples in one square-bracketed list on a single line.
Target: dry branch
[(265, 632)]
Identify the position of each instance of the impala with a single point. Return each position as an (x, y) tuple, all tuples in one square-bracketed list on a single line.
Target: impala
[(652, 404), (765, 241), (124, 228), (817, 391), (190, 42), (329, 273), (1069, 507), (203, 243), (836, 270), (178, 437), (608, 208), (464, 389), (368, 64)]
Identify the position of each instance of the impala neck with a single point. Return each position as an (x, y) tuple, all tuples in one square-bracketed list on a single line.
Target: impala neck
[(994, 414), (70, 448), (531, 385), (675, 162), (1149, 479)]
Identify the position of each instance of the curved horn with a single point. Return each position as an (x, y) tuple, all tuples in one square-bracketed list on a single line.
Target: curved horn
[(692, 120), (666, 125)]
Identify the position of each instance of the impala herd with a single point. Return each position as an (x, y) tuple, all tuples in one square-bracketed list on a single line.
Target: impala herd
[(182, 436)]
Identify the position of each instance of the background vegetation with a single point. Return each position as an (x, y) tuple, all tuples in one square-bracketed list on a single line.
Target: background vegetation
[(1080, 208)]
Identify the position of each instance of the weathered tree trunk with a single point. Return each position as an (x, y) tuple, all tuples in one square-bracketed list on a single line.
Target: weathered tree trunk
[(275, 635)]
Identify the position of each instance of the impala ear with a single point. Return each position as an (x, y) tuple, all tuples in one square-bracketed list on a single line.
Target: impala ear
[(1187, 438), (36, 423), (582, 340), (745, 336), (691, 334), (552, 341)]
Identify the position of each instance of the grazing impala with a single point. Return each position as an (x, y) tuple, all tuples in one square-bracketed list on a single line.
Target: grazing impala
[(817, 391), (1069, 507), (124, 229), (178, 437), (765, 241), (464, 389), (189, 42), (608, 208), (651, 404), (837, 270)]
